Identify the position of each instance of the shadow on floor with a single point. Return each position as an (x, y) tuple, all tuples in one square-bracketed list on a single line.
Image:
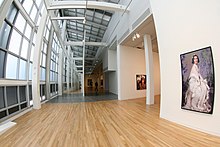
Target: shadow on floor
[(78, 97)]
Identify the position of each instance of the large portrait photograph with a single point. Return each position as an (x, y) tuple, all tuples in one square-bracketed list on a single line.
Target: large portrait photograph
[(198, 81), (141, 82)]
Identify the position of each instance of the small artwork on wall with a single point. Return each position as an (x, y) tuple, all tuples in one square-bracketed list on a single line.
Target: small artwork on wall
[(141, 82), (198, 81)]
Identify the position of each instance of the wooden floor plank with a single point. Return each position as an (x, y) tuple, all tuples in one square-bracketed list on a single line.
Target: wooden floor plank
[(106, 123)]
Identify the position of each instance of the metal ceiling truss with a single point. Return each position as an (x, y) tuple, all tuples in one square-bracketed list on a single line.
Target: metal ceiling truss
[(54, 5)]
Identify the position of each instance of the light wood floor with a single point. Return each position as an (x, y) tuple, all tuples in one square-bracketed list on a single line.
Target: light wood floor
[(107, 123)]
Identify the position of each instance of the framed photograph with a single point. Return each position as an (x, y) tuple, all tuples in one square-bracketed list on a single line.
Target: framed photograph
[(141, 82), (198, 80)]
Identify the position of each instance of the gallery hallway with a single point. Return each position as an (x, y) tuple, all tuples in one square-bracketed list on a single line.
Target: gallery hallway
[(105, 123)]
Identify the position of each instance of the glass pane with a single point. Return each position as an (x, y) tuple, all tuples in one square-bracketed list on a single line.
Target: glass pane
[(30, 71), (30, 92), (38, 2), (2, 63), (4, 33), (14, 109), (12, 13), (45, 48), (22, 71), (44, 60), (43, 74), (1, 2), (24, 48), (2, 101), (11, 67), (3, 114), (51, 76), (33, 13), (28, 31), (20, 22), (15, 39), (11, 93), (22, 92), (27, 5)]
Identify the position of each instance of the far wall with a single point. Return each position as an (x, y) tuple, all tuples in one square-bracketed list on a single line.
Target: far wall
[(132, 62)]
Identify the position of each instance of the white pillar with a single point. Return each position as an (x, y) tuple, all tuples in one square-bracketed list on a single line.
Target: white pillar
[(49, 48), (36, 63), (68, 69), (71, 69), (74, 76), (83, 82), (149, 69), (60, 72)]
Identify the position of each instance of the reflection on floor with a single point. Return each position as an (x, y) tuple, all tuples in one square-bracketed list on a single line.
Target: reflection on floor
[(76, 97)]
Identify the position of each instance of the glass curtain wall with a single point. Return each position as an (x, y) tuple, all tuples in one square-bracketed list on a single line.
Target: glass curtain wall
[(54, 66), (16, 55)]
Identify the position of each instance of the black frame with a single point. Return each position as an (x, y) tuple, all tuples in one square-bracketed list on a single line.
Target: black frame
[(192, 99)]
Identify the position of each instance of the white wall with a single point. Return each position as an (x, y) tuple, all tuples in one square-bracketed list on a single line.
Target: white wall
[(112, 60), (105, 60), (131, 62), (113, 82), (156, 73), (184, 26)]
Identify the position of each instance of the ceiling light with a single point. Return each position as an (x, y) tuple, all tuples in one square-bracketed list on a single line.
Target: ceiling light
[(135, 36), (138, 35)]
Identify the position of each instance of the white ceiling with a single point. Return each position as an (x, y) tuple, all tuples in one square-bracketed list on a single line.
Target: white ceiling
[(147, 27)]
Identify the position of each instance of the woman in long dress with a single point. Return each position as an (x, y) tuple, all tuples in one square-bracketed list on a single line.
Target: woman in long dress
[(197, 94)]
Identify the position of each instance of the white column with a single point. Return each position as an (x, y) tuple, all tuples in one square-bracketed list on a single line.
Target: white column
[(36, 63), (74, 75), (49, 48), (68, 69), (83, 82), (71, 69), (60, 62), (149, 69), (60, 72)]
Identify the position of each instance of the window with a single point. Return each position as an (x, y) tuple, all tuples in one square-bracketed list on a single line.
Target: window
[(15, 39), (4, 33), (27, 5), (22, 93), (28, 31), (43, 74), (11, 67), (2, 101), (24, 48), (33, 12), (12, 13), (11, 93), (20, 23), (22, 70), (2, 63)]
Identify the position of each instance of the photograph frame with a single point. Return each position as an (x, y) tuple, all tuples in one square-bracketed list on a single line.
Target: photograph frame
[(141, 82), (198, 80)]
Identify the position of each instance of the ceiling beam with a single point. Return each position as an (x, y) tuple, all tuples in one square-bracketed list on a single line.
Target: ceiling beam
[(81, 33), (87, 4), (67, 18), (80, 43)]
